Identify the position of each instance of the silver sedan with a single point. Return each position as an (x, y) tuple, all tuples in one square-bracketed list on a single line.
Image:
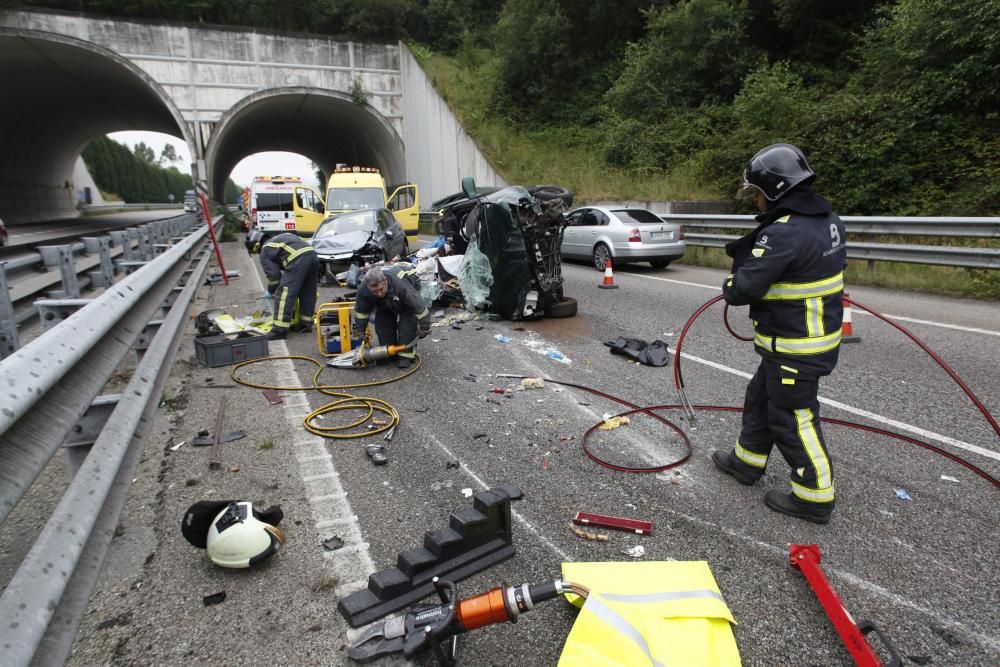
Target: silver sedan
[(625, 235)]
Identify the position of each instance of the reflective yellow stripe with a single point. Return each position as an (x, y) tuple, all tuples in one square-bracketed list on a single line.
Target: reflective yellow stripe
[(750, 458), (295, 253), (809, 345), (810, 442), (798, 291), (784, 218), (814, 316), (280, 310), (787, 381), (813, 495), (423, 313), (789, 369), (361, 316)]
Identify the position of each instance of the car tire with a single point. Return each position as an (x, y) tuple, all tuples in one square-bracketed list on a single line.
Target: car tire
[(600, 256), (550, 192), (660, 263), (567, 307)]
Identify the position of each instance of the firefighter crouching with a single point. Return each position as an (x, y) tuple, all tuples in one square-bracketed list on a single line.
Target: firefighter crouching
[(292, 271), (790, 272), (401, 315)]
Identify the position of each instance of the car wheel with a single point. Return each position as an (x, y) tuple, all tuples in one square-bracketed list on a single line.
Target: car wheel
[(550, 192), (565, 308), (660, 263), (601, 256)]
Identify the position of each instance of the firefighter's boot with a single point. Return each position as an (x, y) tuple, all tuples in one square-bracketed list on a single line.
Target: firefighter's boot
[(729, 464), (788, 504)]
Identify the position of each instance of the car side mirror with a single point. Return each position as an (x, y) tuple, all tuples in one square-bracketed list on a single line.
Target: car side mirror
[(469, 186)]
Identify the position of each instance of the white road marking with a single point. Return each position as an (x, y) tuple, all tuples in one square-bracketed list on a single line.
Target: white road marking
[(524, 522), (863, 413), (855, 311)]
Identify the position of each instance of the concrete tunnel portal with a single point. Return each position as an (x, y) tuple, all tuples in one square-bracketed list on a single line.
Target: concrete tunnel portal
[(60, 94), (327, 127), (64, 92)]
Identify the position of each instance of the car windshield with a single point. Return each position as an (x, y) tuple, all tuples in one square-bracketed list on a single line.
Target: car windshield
[(637, 215), (362, 221), (351, 199)]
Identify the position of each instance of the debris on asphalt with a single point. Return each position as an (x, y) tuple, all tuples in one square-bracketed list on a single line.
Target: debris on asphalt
[(588, 535), (637, 551), (215, 598), (949, 478), (502, 338), (613, 422), (467, 492), (377, 454), (637, 526), (421, 409), (532, 383), (178, 445), (272, 396), (440, 486), (902, 494), (333, 543), (451, 464), (477, 436)]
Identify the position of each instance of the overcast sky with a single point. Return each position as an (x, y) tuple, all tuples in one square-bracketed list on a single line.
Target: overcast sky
[(260, 164)]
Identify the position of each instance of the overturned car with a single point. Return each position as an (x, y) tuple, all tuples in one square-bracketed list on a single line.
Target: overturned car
[(511, 241)]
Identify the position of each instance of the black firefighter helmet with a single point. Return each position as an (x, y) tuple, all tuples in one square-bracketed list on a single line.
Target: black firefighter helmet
[(777, 169)]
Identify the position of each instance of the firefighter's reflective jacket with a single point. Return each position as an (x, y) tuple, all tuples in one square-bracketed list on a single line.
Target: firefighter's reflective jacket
[(278, 253), (790, 270), (401, 298)]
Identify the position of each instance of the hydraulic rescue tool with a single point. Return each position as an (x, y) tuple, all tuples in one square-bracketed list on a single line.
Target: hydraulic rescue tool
[(364, 355), (434, 625), (806, 557)]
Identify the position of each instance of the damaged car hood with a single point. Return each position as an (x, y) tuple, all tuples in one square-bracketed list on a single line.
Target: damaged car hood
[(339, 244)]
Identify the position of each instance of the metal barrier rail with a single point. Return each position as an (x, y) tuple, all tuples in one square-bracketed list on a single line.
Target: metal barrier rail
[(957, 256), (63, 271), (48, 388)]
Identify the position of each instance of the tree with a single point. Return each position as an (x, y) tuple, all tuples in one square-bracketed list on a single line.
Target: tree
[(169, 155), (144, 152)]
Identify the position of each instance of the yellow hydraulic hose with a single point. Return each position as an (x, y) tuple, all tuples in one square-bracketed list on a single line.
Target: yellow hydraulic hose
[(367, 404)]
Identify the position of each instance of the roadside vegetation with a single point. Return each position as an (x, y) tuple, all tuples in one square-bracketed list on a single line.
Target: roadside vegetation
[(892, 100)]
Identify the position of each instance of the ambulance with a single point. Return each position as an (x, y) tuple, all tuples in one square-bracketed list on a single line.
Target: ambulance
[(284, 204), (354, 188)]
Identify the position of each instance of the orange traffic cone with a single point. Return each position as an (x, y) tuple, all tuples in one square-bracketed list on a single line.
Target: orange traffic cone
[(847, 330), (609, 279)]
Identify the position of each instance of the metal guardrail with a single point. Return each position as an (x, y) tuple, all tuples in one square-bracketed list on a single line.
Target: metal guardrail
[(121, 206), (64, 271), (49, 387), (957, 256)]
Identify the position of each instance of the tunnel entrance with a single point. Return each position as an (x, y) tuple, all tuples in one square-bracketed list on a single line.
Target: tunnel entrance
[(60, 93), (325, 126)]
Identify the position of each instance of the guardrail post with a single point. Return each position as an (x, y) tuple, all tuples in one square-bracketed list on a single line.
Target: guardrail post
[(9, 342), (100, 245), (53, 311), (63, 256), (131, 253), (145, 244), (79, 441), (146, 337)]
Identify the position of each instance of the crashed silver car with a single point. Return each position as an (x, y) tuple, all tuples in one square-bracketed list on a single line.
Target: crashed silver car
[(363, 237)]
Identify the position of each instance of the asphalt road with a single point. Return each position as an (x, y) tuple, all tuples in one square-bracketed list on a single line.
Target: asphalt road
[(923, 568)]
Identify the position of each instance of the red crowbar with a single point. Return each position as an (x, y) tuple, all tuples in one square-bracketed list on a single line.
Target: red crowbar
[(806, 557), (630, 525)]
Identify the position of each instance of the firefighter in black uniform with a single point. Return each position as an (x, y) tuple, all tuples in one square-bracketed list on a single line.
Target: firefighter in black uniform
[(292, 271), (399, 310), (790, 272)]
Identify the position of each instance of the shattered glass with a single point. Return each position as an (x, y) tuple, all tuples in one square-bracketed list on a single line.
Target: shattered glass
[(475, 278)]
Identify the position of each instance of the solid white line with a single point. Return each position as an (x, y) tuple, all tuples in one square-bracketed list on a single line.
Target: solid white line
[(864, 413), (858, 311), (855, 311)]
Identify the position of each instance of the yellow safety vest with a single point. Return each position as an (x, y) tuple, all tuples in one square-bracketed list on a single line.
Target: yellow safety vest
[(658, 613)]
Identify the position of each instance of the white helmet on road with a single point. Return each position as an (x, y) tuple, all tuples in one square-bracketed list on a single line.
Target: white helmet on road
[(236, 537)]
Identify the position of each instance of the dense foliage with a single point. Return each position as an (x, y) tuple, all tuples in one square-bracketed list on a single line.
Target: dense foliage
[(893, 100), (137, 177)]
